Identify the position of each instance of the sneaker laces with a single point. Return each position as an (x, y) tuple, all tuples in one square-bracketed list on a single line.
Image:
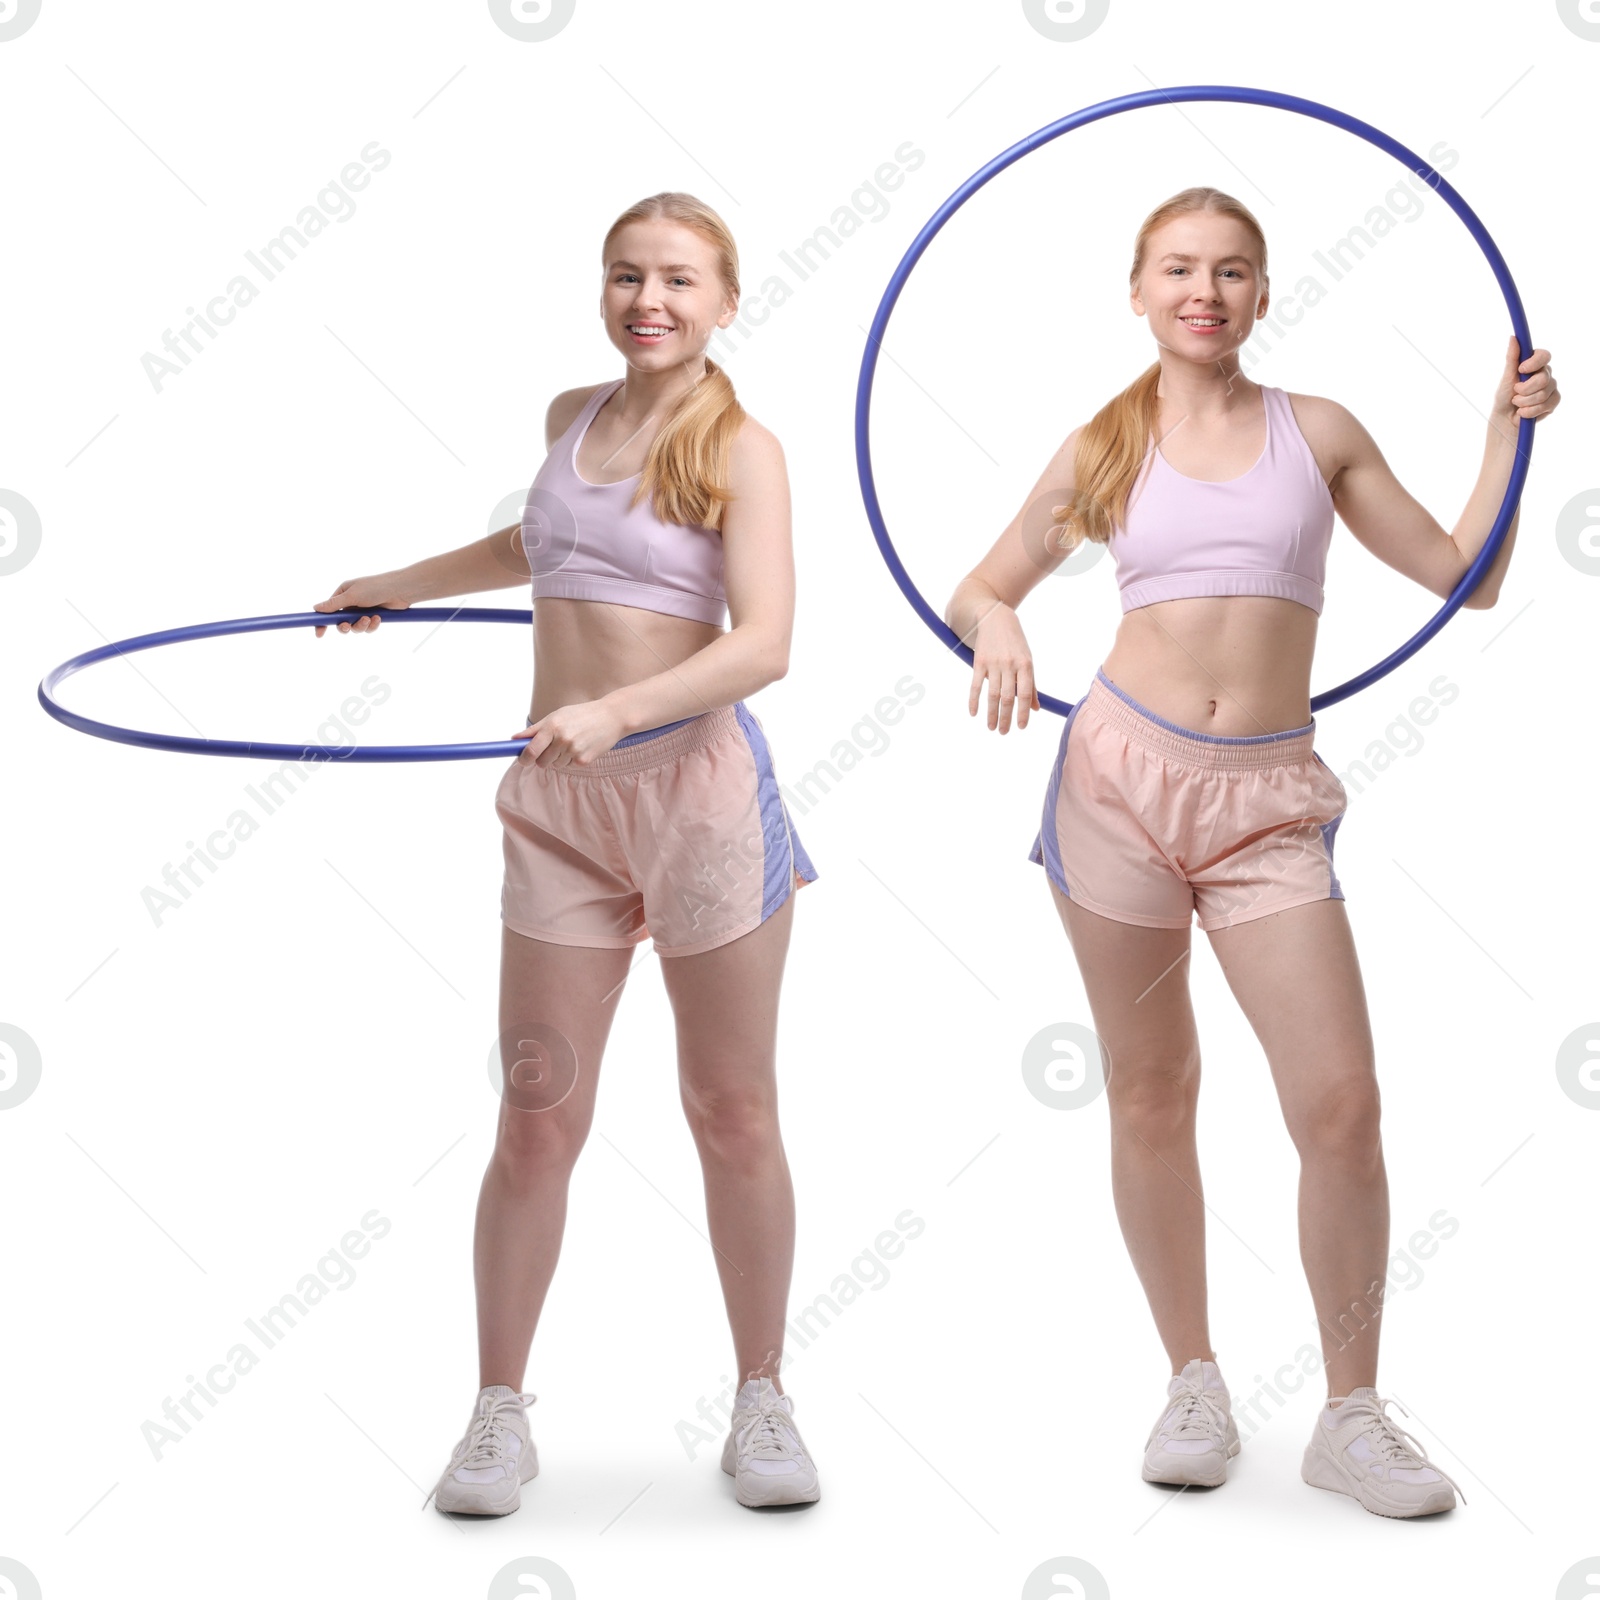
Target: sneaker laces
[(485, 1441), (1200, 1414), (1393, 1445), (763, 1434)]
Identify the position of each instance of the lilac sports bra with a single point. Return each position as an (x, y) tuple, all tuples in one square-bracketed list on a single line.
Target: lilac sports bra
[(584, 541), (1264, 532)]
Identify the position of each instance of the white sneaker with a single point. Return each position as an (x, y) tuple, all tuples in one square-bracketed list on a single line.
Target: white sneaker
[(494, 1458), (1195, 1437), (764, 1451), (1356, 1449)]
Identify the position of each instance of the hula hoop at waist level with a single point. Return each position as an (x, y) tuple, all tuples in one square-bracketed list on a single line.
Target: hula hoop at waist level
[(278, 752)]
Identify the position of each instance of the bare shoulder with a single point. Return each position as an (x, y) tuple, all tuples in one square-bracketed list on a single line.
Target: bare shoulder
[(1060, 475), (1336, 437), (1067, 458), (755, 454), (757, 484), (563, 410)]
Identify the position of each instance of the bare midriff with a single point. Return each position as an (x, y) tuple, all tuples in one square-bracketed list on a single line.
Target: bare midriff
[(585, 649), (1227, 665)]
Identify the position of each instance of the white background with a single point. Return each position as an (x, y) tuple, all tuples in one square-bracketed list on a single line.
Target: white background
[(224, 1095)]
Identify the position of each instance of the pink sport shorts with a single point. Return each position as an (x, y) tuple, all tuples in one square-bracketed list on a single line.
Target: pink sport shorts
[(1147, 822), (677, 833)]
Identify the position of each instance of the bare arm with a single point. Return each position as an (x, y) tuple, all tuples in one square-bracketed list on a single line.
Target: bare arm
[(496, 561), (758, 578), (1020, 558), (983, 610), (1402, 533)]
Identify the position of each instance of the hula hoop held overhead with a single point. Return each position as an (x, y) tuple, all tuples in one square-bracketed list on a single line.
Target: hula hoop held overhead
[(1133, 102)]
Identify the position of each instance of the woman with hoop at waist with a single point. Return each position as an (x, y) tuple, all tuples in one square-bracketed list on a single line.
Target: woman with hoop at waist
[(1186, 782), (646, 804)]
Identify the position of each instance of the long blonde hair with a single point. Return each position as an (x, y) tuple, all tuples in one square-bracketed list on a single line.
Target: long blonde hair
[(1113, 444), (686, 469)]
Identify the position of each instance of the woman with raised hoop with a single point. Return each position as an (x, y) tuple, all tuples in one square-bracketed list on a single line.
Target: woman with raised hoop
[(1186, 782), (646, 803)]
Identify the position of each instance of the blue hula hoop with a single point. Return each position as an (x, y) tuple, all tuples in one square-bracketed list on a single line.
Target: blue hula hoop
[(277, 752), (1131, 102)]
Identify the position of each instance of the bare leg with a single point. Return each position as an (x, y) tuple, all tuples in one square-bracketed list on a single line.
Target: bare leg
[(1296, 977), (1137, 981), (725, 1002), (549, 993)]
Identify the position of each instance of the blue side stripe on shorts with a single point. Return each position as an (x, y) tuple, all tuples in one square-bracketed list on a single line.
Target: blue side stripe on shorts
[(778, 848), (1046, 847), (1328, 831)]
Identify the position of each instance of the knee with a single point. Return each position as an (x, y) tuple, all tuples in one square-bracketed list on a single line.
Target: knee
[(736, 1128), (1344, 1125), (1154, 1098), (530, 1145)]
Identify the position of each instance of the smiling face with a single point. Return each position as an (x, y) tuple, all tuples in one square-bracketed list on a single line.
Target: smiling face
[(1201, 285), (663, 296)]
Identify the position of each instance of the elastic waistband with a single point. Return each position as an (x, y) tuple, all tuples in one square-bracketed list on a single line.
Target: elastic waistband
[(1197, 749), (655, 747)]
